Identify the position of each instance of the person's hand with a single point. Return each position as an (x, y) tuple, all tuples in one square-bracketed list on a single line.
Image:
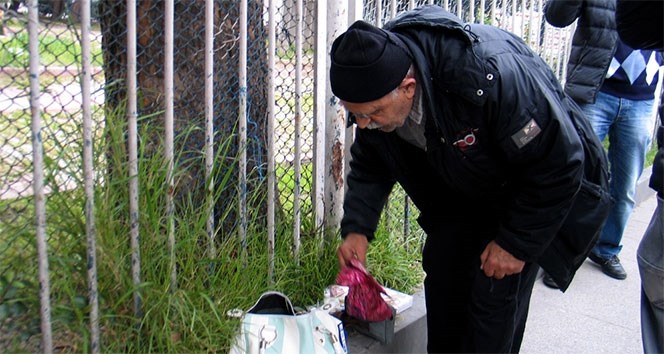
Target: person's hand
[(498, 263), (354, 247)]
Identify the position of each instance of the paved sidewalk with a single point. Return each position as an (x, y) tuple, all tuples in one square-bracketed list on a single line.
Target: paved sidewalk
[(597, 314)]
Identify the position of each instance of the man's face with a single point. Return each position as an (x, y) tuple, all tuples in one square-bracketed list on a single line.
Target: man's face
[(386, 113)]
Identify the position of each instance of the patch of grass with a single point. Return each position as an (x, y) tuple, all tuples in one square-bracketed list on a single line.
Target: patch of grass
[(57, 50), (650, 156), (192, 316)]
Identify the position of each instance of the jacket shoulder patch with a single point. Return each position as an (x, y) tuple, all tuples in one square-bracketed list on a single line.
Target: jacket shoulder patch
[(526, 134)]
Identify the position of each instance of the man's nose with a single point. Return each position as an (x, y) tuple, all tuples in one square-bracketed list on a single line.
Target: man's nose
[(362, 122)]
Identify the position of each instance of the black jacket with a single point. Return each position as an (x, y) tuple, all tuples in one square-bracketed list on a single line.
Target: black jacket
[(593, 44), (640, 26), (524, 169)]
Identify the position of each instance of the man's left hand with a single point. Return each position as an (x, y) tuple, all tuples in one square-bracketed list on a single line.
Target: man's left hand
[(498, 263)]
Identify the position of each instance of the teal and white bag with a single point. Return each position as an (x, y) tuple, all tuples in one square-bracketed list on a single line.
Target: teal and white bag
[(273, 326)]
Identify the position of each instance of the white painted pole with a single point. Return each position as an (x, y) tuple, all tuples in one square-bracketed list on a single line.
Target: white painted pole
[(513, 15), (242, 125), (336, 126), (38, 178), (209, 126), (493, 12), (355, 13), (271, 173), (132, 117), (297, 159), (88, 176), (169, 18), (482, 7), (379, 13), (320, 108)]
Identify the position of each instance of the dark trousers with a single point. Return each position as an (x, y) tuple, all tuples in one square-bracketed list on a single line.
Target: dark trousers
[(468, 312)]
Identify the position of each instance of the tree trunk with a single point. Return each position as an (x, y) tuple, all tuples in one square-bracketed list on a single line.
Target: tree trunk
[(189, 78)]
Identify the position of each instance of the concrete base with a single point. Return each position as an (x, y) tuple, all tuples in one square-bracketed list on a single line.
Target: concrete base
[(410, 333)]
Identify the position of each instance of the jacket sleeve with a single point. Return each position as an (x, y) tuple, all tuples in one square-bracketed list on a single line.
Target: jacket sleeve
[(561, 13), (543, 153), (369, 185)]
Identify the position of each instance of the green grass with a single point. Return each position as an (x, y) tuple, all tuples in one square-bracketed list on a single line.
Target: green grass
[(60, 50), (650, 156), (191, 317)]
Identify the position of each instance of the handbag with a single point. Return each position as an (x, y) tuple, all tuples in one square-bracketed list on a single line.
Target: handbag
[(271, 325)]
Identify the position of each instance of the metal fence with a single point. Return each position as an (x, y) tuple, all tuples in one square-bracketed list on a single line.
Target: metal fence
[(229, 94)]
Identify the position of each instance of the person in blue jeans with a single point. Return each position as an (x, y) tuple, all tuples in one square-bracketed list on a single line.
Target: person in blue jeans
[(615, 86), (640, 25)]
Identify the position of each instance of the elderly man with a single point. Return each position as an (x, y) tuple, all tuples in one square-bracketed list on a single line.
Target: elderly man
[(477, 130)]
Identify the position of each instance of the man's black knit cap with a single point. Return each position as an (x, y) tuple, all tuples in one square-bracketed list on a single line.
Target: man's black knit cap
[(367, 63)]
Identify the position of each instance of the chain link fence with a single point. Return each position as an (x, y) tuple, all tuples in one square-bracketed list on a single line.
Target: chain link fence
[(61, 102)]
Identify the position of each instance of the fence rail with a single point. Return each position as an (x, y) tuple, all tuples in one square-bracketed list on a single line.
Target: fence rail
[(233, 96)]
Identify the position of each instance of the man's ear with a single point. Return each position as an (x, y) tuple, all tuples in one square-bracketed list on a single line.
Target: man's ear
[(408, 84)]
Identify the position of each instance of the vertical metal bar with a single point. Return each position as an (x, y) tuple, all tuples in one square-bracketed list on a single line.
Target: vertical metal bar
[(355, 13), (560, 66), (471, 11), (514, 16), (271, 173), (132, 117), (88, 173), (411, 4), (493, 12), (540, 26), (320, 107), (564, 54), (393, 8), (482, 7), (503, 15), (336, 127), (38, 178), (299, 38), (242, 124), (379, 13), (531, 23), (523, 20), (168, 132), (459, 8), (209, 127)]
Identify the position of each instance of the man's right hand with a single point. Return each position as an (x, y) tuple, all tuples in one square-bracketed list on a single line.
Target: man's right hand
[(354, 247)]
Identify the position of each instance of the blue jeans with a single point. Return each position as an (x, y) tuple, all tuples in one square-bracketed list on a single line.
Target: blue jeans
[(629, 125)]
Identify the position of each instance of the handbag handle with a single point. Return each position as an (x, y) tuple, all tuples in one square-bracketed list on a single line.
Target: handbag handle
[(274, 303)]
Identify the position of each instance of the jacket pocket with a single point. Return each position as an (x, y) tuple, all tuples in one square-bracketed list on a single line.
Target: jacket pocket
[(578, 234)]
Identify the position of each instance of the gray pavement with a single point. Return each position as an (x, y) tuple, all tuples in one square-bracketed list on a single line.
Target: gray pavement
[(597, 314)]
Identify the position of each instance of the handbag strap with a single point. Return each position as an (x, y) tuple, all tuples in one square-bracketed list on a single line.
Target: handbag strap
[(273, 302)]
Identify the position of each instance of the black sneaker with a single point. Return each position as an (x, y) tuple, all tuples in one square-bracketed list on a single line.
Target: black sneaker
[(610, 266), (548, 281)]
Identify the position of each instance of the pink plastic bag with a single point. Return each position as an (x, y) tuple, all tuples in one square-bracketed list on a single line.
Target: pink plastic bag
[(364, 299)]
